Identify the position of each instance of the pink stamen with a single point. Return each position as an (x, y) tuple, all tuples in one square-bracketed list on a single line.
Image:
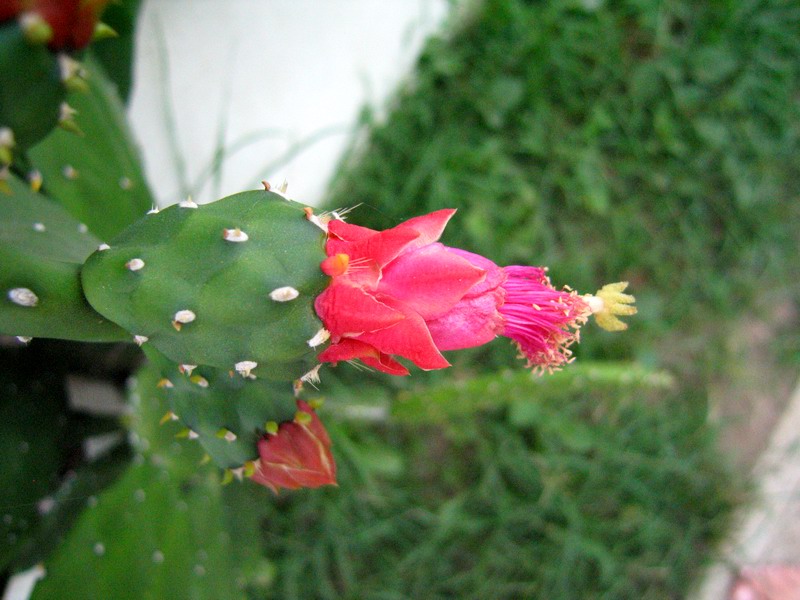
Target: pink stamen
[(543, 321)]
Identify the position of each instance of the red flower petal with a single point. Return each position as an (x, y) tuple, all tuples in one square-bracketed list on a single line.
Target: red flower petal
[(430, 226), (429, 280), (349, 349), (346, 232), (408, 338), (472, 322), (9, 9), (495, 276), (383, 247), (297, 456), (349, 310)]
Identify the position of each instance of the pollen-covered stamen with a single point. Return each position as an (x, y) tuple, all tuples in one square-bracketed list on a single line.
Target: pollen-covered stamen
[(23, 297), (335, 265), (135, 264), (165, 383), (543, 321), (319, 338), (284, 294), (234, 235), (182, 317), (609, 303)]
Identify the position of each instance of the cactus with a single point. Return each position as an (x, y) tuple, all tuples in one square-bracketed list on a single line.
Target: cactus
[(226, 413), (41, 437), (96, 176), (41, 252), (36, 68), (170, 535), (31, 90), (229, 285), (31, 439)]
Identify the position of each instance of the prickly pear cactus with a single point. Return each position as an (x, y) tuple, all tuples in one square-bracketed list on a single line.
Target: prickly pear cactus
[(229, 285), (97, 175), (42, 250), (38, 39), (31, 90), (224, 412)]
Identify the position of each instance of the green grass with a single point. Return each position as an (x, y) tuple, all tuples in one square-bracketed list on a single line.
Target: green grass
[(555, 490)]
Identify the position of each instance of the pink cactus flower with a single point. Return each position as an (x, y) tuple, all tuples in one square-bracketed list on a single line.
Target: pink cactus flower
[(400, 293), (297, 455)]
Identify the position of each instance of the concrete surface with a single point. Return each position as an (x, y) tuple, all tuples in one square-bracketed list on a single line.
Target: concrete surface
[(768, 532), (282, 70)]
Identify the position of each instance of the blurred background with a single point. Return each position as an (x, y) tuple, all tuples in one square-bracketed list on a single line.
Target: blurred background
[(637, 140)]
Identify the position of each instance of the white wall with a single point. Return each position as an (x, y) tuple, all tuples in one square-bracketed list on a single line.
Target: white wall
[(295, 66)]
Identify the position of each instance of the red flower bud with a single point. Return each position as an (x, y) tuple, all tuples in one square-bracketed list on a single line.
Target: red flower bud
[(298, 455), (72, 21)]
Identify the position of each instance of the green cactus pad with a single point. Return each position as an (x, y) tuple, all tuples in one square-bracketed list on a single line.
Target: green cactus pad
[(31, 91), (224, 412), (96, 176), (153, 535), (41, 251), (204, 300)]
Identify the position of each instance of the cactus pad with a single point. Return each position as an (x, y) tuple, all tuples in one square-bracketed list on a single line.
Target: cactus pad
[(96, 176), (214, 285), (41, 252), (31, 90), (224, 412)]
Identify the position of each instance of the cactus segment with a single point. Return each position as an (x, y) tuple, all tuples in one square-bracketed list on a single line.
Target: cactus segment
[(96, 176), (201, 299), (34, 226), (41, 252), (224, 412), (176, 537), (31, 90)]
